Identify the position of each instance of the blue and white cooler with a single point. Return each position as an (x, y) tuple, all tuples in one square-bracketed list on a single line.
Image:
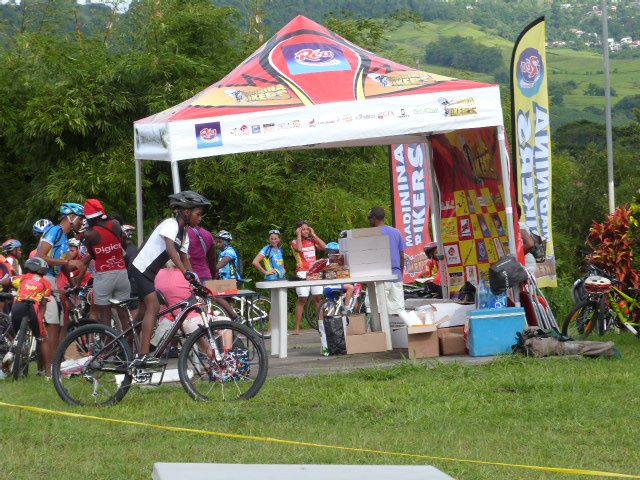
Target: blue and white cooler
[(493, 331)]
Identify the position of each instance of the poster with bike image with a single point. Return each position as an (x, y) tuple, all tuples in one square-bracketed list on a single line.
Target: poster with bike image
[(473, 218)]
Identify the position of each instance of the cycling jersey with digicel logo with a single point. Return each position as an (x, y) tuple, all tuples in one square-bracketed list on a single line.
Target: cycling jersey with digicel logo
[(153, 253), (108, 254), (57, 238), (304, 261)]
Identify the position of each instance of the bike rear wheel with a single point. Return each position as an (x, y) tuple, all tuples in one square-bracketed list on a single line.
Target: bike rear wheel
[(22, 352), (311, 312), (258, 317), (91, 366), (238, 372), (583, 320)]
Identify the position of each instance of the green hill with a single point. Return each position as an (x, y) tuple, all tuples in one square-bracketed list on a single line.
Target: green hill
[(407, 44)]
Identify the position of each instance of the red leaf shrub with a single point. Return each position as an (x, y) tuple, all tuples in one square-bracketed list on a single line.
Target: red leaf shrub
[(612, 245)]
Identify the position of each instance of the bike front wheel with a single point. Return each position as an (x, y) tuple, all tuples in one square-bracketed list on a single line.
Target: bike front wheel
[(583, 320), (223, 361), (91, 366)]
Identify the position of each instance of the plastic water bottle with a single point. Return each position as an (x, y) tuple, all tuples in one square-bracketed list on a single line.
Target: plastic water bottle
[(483, 295)]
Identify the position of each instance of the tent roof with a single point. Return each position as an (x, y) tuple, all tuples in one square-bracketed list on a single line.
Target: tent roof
[(309, 87)]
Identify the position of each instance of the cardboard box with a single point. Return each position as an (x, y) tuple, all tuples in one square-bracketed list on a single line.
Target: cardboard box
[(423, 341), (357, 324), (364, 232), (364, 243), (222, 287), (367, 343), (452, 341)]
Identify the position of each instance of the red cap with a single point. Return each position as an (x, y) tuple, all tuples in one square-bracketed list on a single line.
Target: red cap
[(93, 208)]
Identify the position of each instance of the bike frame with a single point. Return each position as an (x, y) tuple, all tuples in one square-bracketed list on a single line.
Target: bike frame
[(622, 317), (189, 305)]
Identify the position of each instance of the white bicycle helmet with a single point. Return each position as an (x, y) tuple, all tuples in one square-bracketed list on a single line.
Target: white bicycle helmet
[(597, 284), (223, 234)]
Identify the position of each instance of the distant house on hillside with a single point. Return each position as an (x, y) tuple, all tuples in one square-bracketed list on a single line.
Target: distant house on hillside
[(626, 40)]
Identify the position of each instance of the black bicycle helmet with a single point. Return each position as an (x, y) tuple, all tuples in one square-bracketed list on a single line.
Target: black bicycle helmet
[(36, 265), (187, 200)]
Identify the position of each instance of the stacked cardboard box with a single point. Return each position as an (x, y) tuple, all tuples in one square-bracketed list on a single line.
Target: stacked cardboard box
[(366, 252), (361, 341)]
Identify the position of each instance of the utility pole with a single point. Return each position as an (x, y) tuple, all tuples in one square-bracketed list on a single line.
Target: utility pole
[(607, 107)]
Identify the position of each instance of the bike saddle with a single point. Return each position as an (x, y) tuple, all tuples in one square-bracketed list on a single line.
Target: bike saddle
[(127, 302), (161, 298)]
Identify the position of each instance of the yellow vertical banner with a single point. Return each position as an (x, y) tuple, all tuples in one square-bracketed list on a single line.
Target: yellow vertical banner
[(532, 141)]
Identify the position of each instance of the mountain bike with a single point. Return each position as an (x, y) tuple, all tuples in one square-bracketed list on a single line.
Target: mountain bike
[(334, 302), (252, 309), (94, 365), (79, 300), (609, 305), (22, 350)]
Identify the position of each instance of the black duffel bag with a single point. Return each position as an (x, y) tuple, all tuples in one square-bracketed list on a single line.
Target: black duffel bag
[(506, 273)]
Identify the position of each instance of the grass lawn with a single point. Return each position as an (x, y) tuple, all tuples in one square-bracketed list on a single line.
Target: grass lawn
[(562, 412)]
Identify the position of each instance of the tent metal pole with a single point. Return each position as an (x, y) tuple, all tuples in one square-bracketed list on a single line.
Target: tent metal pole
[(506, 186), (139, 213), (436, 227), (175, 176)]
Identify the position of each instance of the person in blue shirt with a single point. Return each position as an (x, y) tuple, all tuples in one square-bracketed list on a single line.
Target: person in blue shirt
[(54, 249), (270, 260), (228, 261)]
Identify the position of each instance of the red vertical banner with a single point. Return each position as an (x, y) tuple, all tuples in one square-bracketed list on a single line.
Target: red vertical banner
[(411, 197)]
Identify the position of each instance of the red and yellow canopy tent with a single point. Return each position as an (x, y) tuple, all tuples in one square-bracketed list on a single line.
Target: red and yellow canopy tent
[(309, 88)]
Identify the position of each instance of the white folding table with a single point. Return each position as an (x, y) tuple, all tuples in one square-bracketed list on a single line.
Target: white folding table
[(375, 290)]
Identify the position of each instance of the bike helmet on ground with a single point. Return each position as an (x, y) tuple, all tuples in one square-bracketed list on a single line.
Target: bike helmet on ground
[(127, 230), (187, 200), (42, 226), (10, 245), (223, 234), (74, 242), (333, 247), (36, 265), (72, 209)]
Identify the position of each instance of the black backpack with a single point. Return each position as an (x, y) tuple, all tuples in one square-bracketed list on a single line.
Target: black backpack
[(506, 273)]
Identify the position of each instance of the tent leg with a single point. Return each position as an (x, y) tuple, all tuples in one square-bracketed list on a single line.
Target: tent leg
[(507, 187), (436, 219), (139, 213), (175, 176)]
